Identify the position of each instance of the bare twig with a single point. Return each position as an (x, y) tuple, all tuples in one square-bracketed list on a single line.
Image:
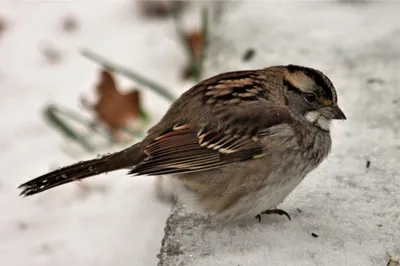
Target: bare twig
[(52, 115), (184, 40), (128, 73), (196, 64)]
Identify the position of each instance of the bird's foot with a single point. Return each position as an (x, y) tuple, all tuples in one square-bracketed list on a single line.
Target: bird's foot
[(273, 211)]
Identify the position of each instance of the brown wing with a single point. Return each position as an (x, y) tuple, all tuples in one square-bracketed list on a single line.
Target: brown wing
[(189, 147)]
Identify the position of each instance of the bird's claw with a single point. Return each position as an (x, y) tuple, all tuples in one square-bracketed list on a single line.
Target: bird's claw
[(273, 211)]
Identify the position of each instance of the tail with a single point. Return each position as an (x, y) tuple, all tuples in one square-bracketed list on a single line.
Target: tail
[(107, 163)]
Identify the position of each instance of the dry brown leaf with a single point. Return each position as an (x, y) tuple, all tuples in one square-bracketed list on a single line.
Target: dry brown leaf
[(114, 108), (196, 41)]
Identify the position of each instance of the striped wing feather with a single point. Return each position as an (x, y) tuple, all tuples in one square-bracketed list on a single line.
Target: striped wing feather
[(184, 148), (181, 150)]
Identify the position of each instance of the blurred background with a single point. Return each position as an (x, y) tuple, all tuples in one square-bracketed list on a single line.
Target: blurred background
[(82, 78)]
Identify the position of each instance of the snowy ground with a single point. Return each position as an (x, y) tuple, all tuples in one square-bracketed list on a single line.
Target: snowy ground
[(118, 222), (352, 209)]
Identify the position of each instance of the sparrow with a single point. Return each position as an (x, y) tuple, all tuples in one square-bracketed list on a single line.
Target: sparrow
[(235, 145)]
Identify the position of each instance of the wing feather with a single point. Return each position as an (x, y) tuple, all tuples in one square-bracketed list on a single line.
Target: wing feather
[(188, 148), (239, 115)]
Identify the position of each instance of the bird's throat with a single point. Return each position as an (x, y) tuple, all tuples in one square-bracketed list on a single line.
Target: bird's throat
[(319, 120)]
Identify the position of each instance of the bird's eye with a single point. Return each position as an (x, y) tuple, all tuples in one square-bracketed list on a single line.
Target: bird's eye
[(310, 97)]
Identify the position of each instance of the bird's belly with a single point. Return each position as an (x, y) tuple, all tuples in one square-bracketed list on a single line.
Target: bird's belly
[(247, 205), (242, 191), (267, 198)]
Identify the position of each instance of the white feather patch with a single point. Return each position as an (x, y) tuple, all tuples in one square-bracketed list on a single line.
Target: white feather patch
[(312, 116), (323, 123), (316, 117)]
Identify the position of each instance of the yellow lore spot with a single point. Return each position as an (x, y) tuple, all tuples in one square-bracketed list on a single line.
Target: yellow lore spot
[(326, 101)]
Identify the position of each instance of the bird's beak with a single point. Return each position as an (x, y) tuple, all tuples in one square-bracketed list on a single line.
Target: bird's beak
[(338, 113)]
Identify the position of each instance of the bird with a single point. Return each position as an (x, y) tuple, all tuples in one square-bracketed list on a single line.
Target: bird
[(234, 146)]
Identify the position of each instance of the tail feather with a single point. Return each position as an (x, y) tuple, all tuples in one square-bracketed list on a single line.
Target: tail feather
[(81, 170)]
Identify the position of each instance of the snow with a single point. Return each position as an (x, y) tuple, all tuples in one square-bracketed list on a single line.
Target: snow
[(352, 208), (116, 220), (112, 219)]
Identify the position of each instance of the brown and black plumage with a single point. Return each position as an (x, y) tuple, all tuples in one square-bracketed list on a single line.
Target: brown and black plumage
[(235, 144)]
